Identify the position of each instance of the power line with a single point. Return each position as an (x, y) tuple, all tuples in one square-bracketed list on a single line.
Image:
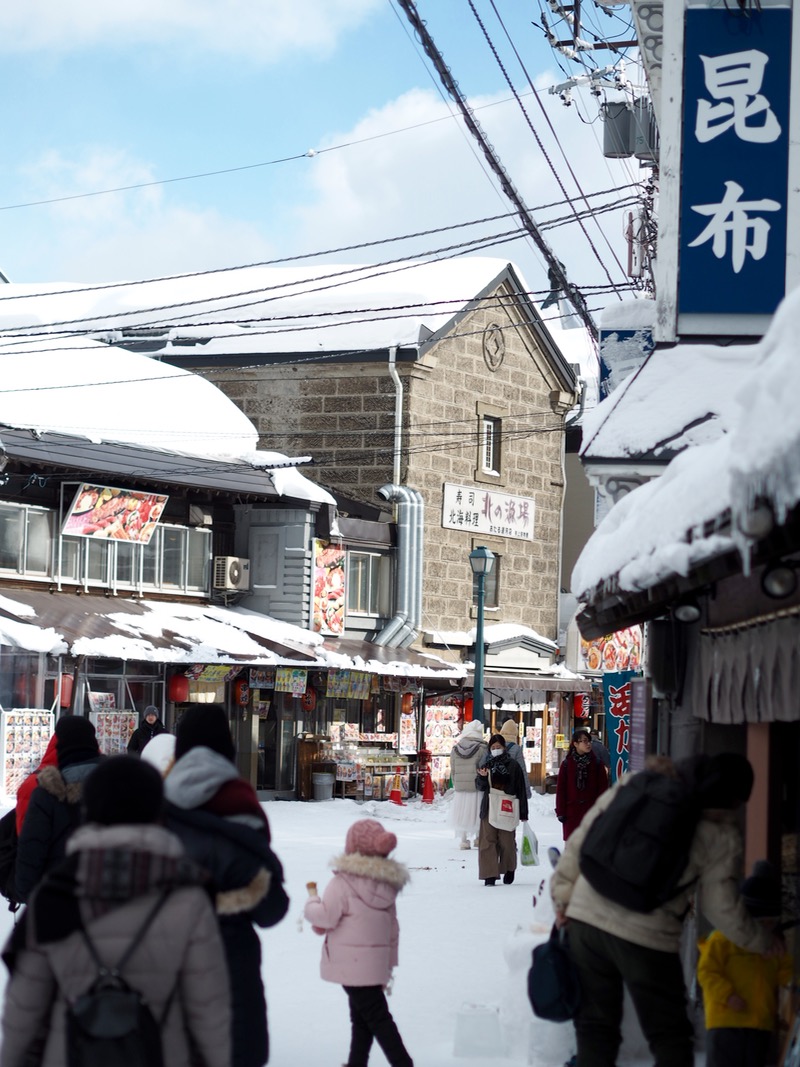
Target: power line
[(569, 290)]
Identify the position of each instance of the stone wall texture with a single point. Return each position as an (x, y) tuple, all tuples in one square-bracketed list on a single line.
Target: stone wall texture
[(342, 414)]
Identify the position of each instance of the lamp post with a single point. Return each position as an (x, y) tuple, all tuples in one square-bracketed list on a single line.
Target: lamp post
[(481, 560)]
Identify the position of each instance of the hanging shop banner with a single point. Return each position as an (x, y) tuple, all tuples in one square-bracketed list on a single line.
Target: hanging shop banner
[(262, 679), (735, 166), (359, 685), (329, 587), (213, 673), (617, 704), (24, 734), (408, 733), (483, 511), (620, 651), (338, 684), (118, 514), (290, 680)]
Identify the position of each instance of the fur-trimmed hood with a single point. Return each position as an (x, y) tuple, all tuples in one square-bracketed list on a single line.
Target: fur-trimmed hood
[(66, 785), (378, 869)]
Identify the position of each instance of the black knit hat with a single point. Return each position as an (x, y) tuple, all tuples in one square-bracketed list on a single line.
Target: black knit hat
[(76, 741), (761, 892), (123, 789), (207, 725)]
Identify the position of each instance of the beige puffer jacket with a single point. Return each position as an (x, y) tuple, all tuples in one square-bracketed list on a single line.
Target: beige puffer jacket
[(181, 949), (713, 873)]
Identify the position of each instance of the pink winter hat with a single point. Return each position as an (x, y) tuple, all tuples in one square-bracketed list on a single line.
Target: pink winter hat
[(368, 838)]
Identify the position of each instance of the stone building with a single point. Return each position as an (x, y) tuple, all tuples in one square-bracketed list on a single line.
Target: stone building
[(463, 399)]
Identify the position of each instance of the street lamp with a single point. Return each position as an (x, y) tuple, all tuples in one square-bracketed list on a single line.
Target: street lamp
[(481, 560)]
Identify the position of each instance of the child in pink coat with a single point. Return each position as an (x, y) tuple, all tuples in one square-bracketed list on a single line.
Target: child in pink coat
[(358, 917)]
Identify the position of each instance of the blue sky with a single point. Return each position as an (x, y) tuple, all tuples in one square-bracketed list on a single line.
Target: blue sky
[(102, 95)]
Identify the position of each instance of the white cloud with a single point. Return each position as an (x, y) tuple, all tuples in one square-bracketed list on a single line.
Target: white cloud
[(261, 29), (137, 233), (435, 175)]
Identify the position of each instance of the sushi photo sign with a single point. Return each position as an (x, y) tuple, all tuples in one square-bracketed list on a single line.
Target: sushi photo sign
[(105, 511)]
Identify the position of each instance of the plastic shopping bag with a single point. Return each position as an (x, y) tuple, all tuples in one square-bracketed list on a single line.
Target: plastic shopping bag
[(530, 846)]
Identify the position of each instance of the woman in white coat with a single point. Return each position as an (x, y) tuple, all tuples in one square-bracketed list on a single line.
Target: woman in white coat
[(468, 753)]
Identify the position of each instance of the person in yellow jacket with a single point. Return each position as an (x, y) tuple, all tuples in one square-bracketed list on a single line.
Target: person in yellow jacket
[(740, 988)]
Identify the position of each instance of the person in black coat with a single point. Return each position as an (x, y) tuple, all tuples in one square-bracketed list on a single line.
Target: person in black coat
[(54, 807), (217, 816), (497, 849), (151, 727)]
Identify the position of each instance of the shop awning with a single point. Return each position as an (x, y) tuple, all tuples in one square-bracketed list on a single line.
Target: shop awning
[(518, 688), (158, 631), (378, 659)]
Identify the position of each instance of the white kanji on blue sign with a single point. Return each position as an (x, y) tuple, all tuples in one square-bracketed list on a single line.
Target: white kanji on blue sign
[(735, 161)]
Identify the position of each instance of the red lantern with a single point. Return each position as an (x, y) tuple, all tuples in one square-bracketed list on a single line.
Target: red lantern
[(468, 705), (407, 703), (242, 690), (308, 701), (67, 682), (178, 689), (581, 707)]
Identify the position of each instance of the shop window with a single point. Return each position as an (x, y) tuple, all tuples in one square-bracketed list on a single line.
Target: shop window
[(491, 586), (368, 583), (25, 539)]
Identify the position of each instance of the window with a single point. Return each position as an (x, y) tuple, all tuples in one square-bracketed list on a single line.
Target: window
[(490, 444), (25, 539), (177, 559), (491, 584), (363, 583)]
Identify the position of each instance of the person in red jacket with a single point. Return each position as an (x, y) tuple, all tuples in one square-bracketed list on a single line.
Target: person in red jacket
[(581, 780), (49, 759)]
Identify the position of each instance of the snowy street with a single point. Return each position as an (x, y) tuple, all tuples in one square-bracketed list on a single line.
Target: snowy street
[(464, 948)]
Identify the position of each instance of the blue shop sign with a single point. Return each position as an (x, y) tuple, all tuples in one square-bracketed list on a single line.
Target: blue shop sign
[(735, 161)]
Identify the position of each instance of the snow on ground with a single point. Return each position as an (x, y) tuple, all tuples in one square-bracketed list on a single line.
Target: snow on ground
[(464, 948)]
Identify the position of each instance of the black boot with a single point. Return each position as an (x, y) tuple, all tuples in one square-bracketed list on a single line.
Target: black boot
[(508, 878), (490, 881)]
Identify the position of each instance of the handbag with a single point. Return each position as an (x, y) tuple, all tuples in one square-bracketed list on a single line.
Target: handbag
[(503, 809), (530, 847), (553, 987)]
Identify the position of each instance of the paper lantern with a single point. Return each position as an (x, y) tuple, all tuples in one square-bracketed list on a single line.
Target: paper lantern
[(407, 703), (468, 705), (67, 682), (178, 689)]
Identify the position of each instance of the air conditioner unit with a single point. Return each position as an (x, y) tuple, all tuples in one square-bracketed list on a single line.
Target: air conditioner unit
[(231, 572)]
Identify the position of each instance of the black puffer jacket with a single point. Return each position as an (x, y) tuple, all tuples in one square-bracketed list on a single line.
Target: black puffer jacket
[(246, 878), (144, 733), (53, 814), (507, 776)]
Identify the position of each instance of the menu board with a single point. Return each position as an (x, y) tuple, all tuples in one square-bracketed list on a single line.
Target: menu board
[(25, 734), (408, 732), (441, 728), (114, 729)]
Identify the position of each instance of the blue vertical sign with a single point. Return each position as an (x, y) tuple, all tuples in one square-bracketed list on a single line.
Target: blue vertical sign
[(617, 706), (735, 160)]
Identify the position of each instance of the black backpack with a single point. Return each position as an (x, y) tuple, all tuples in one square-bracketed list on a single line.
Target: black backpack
[(553, 988), (637, 851), (111, 1025), (8, 858)]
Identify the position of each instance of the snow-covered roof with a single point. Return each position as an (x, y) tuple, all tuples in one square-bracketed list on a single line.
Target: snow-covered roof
[(682, 396), (317, 308), (173, 632), (693, 511), (83, 388), (493, 633), (634, 314)]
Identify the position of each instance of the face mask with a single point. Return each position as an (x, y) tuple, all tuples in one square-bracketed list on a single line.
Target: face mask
[(498, 751)]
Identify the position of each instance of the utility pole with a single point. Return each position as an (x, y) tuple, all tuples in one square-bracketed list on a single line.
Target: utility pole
[(555, 268)]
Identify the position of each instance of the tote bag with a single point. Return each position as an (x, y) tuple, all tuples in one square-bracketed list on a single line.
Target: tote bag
[(503, 809)]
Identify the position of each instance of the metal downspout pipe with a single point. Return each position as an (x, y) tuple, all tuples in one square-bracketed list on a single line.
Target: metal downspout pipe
[(414, 621), (399, 494)]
